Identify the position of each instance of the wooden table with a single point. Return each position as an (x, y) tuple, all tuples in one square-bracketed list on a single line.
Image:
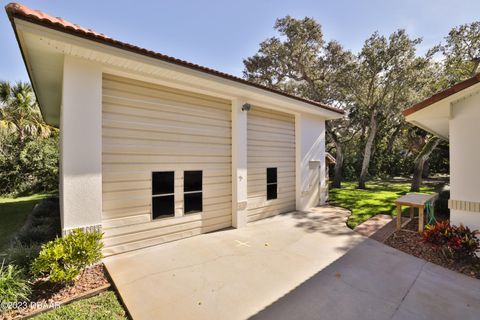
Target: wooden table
[(413, 200)]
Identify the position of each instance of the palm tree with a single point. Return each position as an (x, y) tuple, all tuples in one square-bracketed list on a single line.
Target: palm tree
[(19, 111)]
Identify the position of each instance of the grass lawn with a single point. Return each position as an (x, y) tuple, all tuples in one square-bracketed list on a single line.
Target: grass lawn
[(364, 204), (13, 213), (103, 306)]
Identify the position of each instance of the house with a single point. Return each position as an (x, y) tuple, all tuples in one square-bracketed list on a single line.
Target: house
[(155, 149), (454, 115)]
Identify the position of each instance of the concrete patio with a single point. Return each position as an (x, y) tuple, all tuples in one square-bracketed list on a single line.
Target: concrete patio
[(292, 266)]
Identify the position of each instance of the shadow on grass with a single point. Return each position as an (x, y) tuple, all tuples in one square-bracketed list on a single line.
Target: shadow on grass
[(13, 214), (378, 198)]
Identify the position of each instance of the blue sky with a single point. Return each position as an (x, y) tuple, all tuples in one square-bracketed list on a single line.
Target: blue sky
[(220, 34)]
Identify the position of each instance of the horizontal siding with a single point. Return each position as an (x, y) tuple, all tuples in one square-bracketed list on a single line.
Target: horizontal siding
[(149, 128), (271, 143)]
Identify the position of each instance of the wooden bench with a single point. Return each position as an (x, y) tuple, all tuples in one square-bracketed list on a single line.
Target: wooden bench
[(413, 200)]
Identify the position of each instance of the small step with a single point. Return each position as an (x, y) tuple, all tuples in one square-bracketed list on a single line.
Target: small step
[(379, 227)]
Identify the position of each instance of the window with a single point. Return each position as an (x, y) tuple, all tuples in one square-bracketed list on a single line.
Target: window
[(163, 199), (271, 183), (192, 192)]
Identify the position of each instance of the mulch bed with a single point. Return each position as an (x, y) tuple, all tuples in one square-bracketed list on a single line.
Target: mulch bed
[(45, 293), (410, 241)]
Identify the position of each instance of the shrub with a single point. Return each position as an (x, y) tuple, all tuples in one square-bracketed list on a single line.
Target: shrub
[(441, 204), (36, 234), (438, 233), (28, 167), (63, 259), (463, 242), (43, 224), (22, 255), (459, 241), (13, 286)]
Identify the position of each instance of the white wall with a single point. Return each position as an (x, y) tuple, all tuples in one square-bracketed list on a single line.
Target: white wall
[(310, 139), (465, 158), (81, 144), (239, 164)]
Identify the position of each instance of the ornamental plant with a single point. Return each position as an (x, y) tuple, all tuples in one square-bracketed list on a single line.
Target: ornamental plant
[(14, 287), (458, 242), (438, 233), (464, 243), (64, 259)]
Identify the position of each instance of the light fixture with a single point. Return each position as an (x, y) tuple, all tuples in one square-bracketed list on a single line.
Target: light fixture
[(246, 107)]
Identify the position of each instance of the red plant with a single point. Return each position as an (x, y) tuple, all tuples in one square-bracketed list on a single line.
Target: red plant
[(460, 241), (464, 242), (438, 234)]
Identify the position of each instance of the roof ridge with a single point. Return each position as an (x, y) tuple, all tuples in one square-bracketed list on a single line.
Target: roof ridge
[(20, 11)]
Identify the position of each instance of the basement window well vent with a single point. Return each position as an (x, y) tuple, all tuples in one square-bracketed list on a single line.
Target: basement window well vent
[(193, 191), (271, 183), (163, 199)]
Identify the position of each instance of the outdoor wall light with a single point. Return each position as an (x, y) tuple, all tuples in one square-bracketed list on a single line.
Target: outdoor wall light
[(246, 107)]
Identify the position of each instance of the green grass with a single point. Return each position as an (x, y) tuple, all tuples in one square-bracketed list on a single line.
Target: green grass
[(364, 204), (13, 213), (103, 306)]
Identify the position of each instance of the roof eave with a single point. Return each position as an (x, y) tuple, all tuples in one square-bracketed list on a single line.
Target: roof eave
[(13, 12), (456, 88)]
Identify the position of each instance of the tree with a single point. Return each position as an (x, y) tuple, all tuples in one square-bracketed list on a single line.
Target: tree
[(19, 111), (420, 160), (28, 146), (462, 60), (386, 72), (299, 61), (462, 52)]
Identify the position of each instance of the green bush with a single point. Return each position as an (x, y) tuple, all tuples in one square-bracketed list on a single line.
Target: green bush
[(36, 234), (63, 259), (22, 255), (13, 286), (43, 224), (441, 204), (31, 166)]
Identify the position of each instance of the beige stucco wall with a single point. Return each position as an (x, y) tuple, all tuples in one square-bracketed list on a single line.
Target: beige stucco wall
[(81, 144), (311, 139), (465, 158)]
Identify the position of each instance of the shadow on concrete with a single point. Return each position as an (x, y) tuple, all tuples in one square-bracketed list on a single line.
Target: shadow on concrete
[(328, 220), (374, 281)]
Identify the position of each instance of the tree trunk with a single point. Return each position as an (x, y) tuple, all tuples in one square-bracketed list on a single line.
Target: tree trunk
[(337, 177), (368, 151), (420, 162), (426, 169), (392, 139)]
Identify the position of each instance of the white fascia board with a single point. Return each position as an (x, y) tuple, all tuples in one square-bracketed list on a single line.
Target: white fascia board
[(131, 63), (438, 115)]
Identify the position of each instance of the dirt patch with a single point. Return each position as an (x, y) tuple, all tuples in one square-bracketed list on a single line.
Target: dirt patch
[(46, 294), (410, 241)]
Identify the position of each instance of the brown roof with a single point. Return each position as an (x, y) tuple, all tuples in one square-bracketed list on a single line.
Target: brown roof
[(443, 94), (19, 11)]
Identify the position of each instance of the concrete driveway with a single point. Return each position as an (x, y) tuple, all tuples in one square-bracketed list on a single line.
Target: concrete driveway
[(293, 266)]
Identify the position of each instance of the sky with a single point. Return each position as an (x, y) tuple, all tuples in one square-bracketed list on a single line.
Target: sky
[(220, 34)]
